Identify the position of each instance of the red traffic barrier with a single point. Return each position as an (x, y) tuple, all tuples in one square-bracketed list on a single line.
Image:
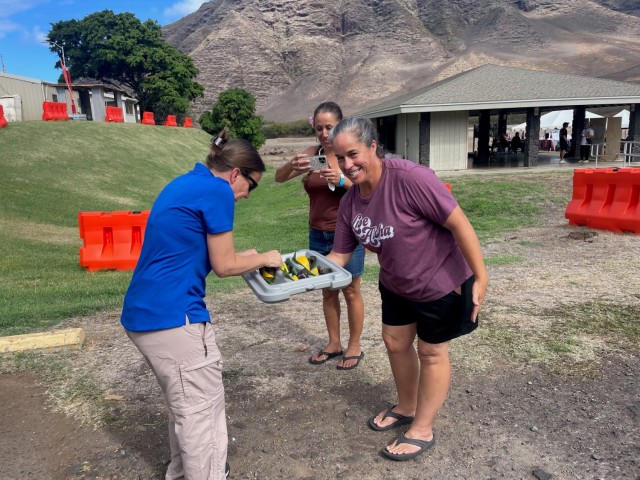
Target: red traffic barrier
[(114, 114), (111, 241), (171, 121), (147, 118), (188, 123), (53, 111), (3, 121), (606, 199)]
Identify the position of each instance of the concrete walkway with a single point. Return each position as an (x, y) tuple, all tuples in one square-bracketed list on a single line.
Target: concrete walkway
[(513, 163)]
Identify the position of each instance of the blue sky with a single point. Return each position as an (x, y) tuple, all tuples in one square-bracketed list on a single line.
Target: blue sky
[(24, 24)]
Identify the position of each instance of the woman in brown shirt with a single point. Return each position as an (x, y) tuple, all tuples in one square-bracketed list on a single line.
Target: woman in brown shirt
[(325, 188)]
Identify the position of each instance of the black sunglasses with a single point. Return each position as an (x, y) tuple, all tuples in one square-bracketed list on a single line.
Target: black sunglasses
[(252, 183)]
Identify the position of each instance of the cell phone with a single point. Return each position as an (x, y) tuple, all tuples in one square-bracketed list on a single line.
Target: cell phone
[(317, 162)]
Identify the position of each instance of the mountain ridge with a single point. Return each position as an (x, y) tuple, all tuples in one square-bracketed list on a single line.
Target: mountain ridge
[(293, 54)]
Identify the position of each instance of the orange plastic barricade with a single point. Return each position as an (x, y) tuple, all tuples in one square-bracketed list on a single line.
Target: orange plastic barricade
[(3, 121), (448, 185), (147, 118), (54, 111), (111, 240), (606, 199), (188, 123), (114, 114), (171, 121)]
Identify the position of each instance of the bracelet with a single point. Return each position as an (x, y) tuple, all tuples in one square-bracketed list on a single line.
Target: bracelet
[(341, 182)]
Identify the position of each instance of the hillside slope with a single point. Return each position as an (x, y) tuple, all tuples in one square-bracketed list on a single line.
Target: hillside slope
[(50, 171), (292, 54)]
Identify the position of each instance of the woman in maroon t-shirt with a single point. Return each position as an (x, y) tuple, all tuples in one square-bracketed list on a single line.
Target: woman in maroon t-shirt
[(325, 188), (432, 275)]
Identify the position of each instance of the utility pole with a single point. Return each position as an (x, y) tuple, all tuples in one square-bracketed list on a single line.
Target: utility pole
[(2, 62), (65, 74)]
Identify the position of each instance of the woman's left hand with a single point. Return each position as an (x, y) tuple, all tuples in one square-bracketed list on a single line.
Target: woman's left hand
[(478, 293), (332, 175)]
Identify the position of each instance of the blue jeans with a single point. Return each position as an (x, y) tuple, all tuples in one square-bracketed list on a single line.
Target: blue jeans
[(322, 242)]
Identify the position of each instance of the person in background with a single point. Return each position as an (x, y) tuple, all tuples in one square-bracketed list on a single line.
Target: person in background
[(516, 143), (432, 279), (325, 189), (189, 233), (585, 143), (505, 142), (564, 141)]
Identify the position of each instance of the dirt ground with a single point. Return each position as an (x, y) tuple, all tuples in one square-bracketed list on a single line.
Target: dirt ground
[(507, 416)]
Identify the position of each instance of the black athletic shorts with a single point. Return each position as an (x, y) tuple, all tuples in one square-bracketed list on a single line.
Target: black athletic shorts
[(438, 321)]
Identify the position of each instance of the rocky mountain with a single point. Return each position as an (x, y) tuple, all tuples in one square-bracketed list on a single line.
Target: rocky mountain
[(293, 54)]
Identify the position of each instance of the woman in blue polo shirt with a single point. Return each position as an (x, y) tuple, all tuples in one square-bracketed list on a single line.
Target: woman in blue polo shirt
[(189, 233)]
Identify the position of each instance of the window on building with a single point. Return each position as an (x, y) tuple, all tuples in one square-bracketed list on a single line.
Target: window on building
[(129, 108)]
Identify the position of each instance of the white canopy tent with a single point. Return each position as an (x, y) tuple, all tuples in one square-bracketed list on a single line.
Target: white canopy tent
[(624, 114), (556, 119)]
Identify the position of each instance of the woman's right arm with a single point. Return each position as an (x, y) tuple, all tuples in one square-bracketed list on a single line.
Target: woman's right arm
[(294, 167), (340, 259), (225, 261)]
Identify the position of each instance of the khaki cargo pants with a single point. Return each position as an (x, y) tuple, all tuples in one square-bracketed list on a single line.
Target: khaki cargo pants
[(188, 365)]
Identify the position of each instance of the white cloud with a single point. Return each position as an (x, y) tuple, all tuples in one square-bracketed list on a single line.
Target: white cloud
[(38, 35), (9, 8), (181, 9), (7, 26)]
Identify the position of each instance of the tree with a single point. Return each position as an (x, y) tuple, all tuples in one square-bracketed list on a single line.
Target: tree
[(235, 109), (119, 48)]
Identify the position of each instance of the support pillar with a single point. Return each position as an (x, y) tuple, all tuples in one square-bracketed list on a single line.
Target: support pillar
[(483, 138), (97, 104), (634, 127), (577, 126), (425, 139), (531, 143)]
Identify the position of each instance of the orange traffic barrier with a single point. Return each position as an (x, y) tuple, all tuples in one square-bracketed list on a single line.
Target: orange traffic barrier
[(171, 121), (606, 199), (188, 123), (111, 240), (147, 118), (3, 121), (114, 114), (54, 111)]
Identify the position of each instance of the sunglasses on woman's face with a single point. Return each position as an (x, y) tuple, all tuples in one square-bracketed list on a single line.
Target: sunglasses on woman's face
[(252, 183)]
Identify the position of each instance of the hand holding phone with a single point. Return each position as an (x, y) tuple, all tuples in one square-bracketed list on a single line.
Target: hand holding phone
[(317, 162)]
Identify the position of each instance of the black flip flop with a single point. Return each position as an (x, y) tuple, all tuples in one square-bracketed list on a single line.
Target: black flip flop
[(423, 444), (329, 356), (400, 420), (356, 357)]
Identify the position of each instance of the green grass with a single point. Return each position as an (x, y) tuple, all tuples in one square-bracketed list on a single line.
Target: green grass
[(502, 260), (50, 171), (567, 337), (497, 205), (72, 389)]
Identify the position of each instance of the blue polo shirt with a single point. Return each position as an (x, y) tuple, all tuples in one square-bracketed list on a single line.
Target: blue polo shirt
[(169, 280)]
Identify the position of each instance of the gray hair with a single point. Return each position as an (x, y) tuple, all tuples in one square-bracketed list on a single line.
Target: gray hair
[(360, 128)]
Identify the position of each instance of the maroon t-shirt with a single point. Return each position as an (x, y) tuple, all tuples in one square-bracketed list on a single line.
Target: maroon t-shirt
[(402, 223), (323, 203)]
